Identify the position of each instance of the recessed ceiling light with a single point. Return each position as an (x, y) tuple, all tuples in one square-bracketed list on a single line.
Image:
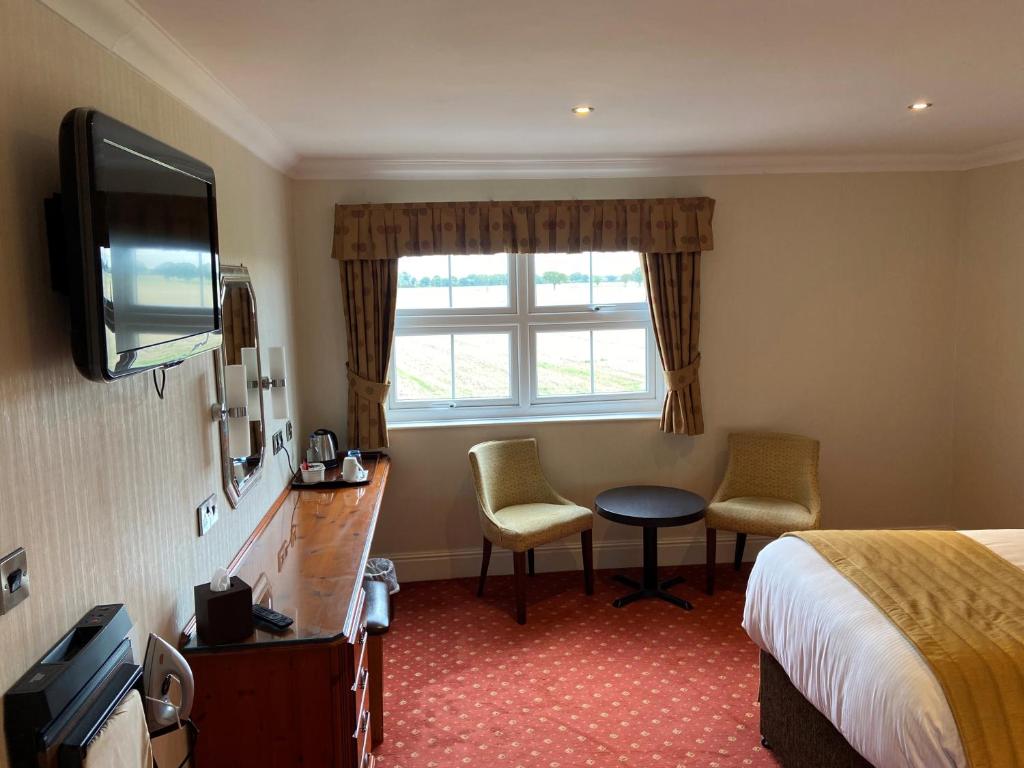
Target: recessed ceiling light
[(919, 106), (583, 109)]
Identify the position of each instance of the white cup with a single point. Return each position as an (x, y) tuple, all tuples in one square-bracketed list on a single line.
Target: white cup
[(352, 471)]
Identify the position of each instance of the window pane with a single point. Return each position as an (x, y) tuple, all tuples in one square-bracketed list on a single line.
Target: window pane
[(480, 281), (620, 361), (423, 367), (563, 363), (618, 278), (561, 279), (423, 282), (482, 365)]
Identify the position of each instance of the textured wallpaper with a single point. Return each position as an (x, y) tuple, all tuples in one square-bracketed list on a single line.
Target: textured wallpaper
[(99, 482)]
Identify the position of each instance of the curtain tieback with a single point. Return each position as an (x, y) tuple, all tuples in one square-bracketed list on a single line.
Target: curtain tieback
[(371, 390), (682, 377)]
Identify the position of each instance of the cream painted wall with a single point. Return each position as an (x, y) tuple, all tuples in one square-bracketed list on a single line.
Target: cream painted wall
[(988, 451), (825, 311), (100, 482)]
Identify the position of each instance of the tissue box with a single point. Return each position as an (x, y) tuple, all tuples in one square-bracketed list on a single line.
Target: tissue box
[(224, 617)]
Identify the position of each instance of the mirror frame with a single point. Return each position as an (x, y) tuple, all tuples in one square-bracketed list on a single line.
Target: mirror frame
[(234, 488)]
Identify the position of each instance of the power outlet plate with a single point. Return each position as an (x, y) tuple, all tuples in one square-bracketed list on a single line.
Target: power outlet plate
[(288, 430), (277, 441), (14, 579), (207, 515)]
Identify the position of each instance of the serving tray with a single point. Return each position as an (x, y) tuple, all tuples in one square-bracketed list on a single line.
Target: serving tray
[(333, 478)]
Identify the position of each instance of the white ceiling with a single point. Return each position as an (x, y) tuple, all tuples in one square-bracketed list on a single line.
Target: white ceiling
[(427, 79)]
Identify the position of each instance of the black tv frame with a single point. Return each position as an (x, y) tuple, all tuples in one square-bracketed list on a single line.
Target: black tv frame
[(72, 220)]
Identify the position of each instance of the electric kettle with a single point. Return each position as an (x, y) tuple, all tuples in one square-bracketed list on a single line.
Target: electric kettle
[(323, 447)]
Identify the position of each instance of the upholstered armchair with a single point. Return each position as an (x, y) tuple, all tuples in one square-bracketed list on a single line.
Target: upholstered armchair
[(770, 488), (519, 510)]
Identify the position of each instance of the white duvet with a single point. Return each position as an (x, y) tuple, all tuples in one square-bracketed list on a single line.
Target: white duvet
[(849, 660)]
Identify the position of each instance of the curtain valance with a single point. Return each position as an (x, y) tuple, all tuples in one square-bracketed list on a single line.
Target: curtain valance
[(664, 225)]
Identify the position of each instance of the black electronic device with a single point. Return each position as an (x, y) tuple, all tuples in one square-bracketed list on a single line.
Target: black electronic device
[(273, 620), (133, 244), (53, 711)]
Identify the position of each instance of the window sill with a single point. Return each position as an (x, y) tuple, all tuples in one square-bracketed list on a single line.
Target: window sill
[(500, 421)]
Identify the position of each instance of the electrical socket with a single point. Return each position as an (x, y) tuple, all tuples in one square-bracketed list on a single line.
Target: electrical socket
[(207, 515), (13, 579), (288, 430), (278, 442)]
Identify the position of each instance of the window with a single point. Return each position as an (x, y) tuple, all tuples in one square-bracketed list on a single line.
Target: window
[(507, 336)]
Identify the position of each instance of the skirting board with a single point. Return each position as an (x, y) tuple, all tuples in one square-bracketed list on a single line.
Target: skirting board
[(565, 556)]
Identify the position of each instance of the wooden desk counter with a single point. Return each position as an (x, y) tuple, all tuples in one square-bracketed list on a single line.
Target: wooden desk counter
[(298, 697)]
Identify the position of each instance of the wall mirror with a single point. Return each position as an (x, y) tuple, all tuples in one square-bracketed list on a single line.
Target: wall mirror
[(239, 407)]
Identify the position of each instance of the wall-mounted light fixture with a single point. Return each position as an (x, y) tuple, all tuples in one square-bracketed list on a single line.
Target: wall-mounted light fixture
[(275, 382), (235, 410), (252, 381)]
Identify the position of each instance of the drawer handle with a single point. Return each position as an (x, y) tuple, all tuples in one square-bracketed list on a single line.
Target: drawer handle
[(364, 722), (361, 679), (361, 637)]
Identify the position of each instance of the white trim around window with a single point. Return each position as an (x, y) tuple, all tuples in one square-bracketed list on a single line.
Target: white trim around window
[(521, 321)]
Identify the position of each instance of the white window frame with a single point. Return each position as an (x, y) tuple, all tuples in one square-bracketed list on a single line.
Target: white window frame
[(434, 406), (523, 320), (605, 323)]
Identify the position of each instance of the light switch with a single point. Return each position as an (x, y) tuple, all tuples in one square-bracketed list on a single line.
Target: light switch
[(13, 579)]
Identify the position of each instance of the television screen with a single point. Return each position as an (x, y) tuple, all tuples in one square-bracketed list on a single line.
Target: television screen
[(142, 236), (158, 282)]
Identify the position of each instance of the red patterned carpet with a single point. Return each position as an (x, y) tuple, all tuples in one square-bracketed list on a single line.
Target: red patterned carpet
[(581, 684)]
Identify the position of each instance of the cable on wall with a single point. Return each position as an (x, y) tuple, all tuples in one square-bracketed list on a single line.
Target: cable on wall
[(163, 382), (289, 455)]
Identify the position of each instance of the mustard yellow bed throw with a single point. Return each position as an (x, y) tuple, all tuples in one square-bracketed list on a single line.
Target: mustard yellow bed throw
[(962, 606)]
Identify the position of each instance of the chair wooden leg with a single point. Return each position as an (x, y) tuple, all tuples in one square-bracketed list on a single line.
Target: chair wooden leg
[(375, 649), (529, 559), (712, 553), (519, 569), (741, 542), (587, 540), (483, 567)]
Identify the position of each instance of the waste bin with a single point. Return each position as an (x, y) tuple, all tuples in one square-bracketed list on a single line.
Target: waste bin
[(382, 569)]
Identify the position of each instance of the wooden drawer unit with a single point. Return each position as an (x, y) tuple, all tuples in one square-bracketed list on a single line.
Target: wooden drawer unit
[(361, 677), (302, 697), (359, 633), (365, 755)]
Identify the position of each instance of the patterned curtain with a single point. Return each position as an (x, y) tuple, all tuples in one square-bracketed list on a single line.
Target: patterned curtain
[(673, 292), (369, 290), (369, 239), (670, 225)]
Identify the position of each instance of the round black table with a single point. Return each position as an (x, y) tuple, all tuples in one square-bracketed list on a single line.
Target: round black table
[(653, 507)]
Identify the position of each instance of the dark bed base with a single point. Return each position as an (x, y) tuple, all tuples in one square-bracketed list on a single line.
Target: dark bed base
[(797, 733)]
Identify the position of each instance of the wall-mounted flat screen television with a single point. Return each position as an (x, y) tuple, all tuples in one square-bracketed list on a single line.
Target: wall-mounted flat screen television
[(134, 246)]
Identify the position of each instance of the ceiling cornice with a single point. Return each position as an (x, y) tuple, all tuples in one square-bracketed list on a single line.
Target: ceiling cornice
[(127, 31), (639, 166), (130, 33), (1010, 152), (561, 167)]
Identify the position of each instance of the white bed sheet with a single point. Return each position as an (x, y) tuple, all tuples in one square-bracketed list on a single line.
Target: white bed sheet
[(849, 660)]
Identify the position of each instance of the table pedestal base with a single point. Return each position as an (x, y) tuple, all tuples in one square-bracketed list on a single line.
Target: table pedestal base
[(651, 587)]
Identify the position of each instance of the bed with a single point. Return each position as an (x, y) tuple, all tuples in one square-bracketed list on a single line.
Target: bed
[(841, 685)]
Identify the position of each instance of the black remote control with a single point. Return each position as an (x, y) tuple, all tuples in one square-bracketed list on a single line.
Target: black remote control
[(272, 619)]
